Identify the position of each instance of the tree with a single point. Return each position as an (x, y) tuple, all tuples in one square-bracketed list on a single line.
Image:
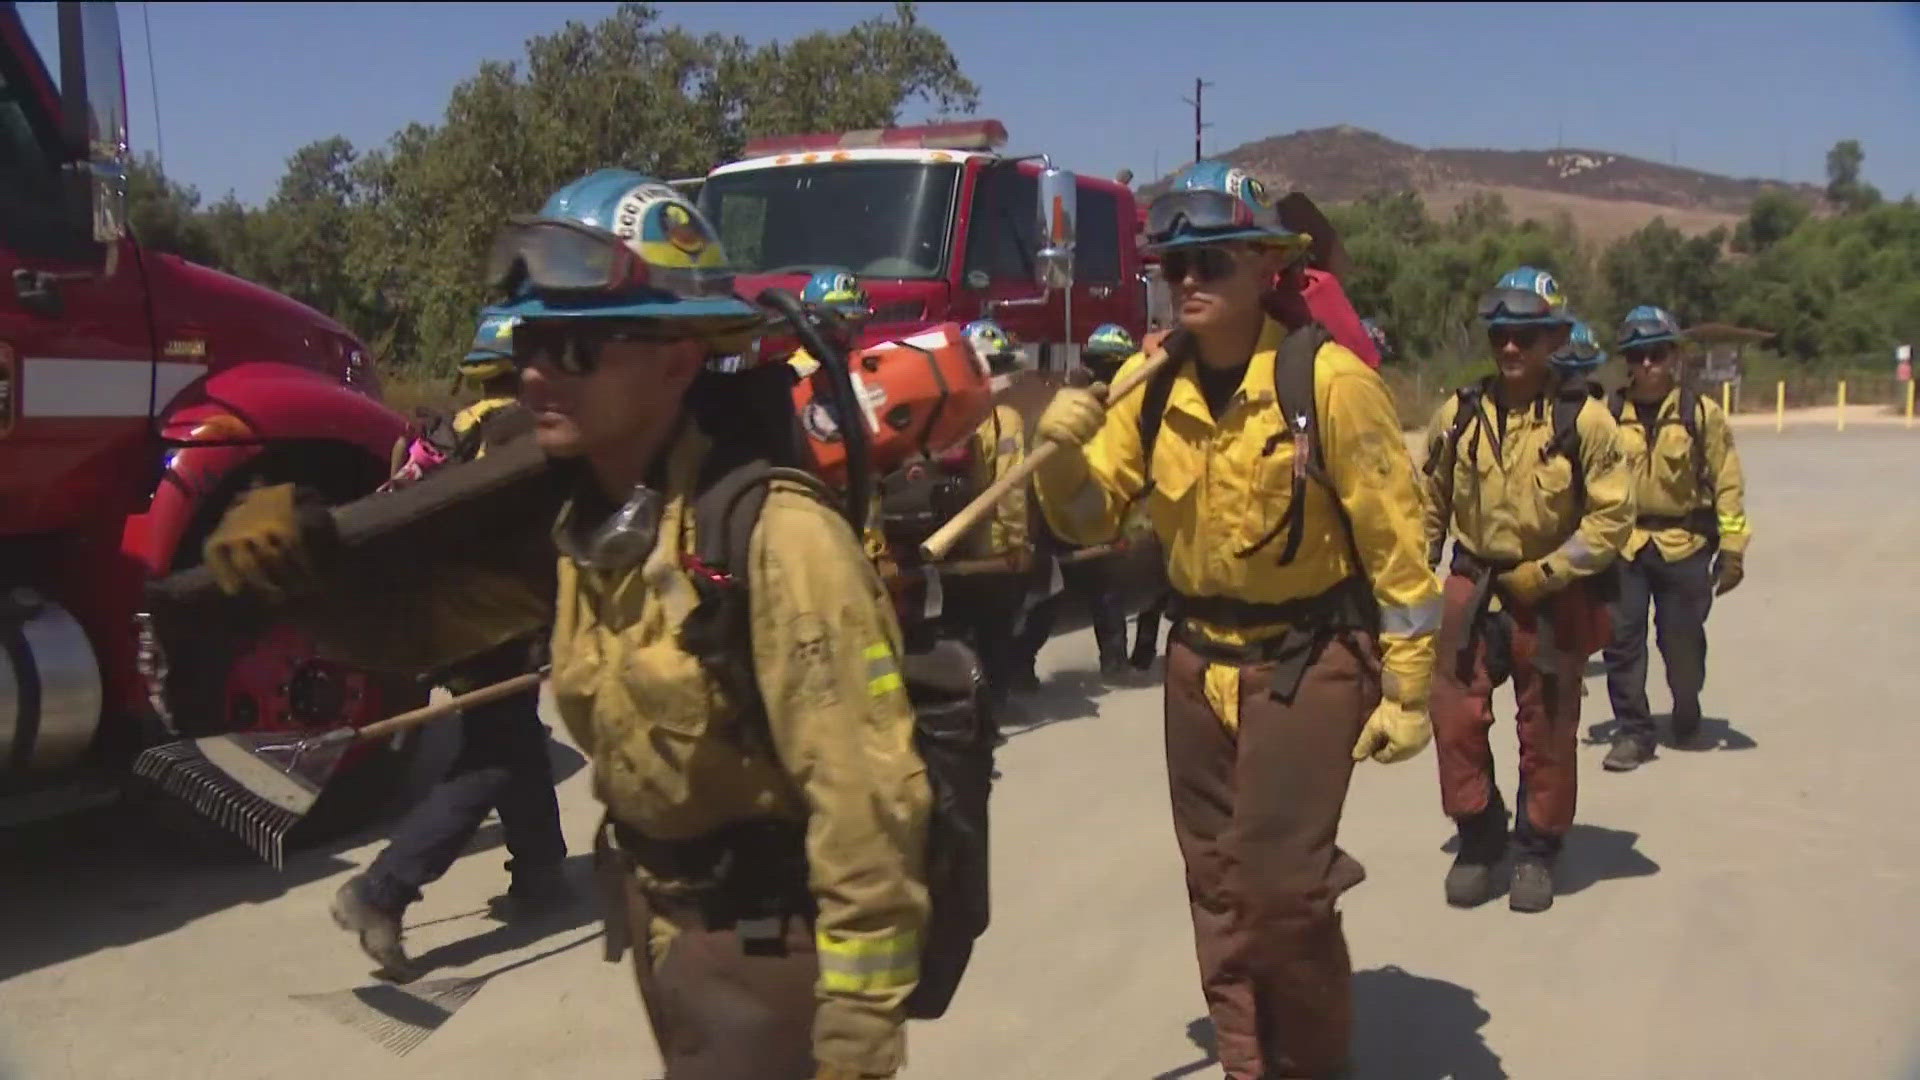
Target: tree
[(1844, 187), (1771, 218), (164, 215)]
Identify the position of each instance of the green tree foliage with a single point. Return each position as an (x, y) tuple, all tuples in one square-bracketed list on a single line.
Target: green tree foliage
[(1844, 187), (392, 242)]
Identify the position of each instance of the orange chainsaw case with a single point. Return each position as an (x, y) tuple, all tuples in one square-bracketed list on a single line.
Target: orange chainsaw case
[(922, 392)]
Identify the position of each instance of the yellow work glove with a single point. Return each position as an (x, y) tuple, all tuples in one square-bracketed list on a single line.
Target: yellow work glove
[(1072, 418), (258, 545), (1528, 582), (1394, 732), (1729, 570)]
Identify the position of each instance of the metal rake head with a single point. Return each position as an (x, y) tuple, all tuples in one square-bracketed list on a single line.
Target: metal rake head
[(182, 771)]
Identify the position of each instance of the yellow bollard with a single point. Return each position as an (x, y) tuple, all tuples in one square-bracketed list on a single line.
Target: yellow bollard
[(1780, 405), (1726, 398), (1843, 404), (1909, 402)]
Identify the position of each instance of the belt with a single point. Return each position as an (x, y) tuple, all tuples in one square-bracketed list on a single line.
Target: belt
[(1701, 520), (1309, 622), (750, 876)]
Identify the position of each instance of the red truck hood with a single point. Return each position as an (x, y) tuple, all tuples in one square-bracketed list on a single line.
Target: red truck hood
[(899, 307), (241, 321)]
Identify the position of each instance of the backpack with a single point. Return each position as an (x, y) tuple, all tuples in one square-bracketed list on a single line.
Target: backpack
[(1569, 398), (1691, 409), (950, 729), (1293, 370)]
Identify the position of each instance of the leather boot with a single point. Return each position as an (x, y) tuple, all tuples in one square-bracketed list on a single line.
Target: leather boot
[(1627, 754), (1483, 840), (378, 931), (1532, 889)]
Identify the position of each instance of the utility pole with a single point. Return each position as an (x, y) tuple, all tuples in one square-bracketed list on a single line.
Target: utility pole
[(1199, 88)]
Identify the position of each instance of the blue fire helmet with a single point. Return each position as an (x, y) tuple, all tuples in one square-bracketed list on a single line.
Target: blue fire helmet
[(1212, 202), (617, 244), (1111, 340), (837, 289), (1582, 352), (1526, 296), (491, 354), (1648, 325)]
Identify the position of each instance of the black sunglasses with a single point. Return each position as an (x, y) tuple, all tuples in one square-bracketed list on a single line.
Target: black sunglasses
[(575, 349), (1648, 354), (1523, 336), (1203, 264)]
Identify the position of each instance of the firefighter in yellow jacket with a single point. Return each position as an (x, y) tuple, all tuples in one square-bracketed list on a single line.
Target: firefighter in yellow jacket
[(1526, 471), (1285, 667), (986, 612), (1689, 539), (775, 885)]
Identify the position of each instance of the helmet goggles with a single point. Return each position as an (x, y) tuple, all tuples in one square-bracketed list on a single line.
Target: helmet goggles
[(554, 255), (1516, 304)]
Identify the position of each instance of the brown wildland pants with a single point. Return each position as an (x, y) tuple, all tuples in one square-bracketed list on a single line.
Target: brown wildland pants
[(1547, 720), (1256, 811)]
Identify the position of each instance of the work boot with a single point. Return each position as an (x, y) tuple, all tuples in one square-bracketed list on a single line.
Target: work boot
[(377, 929), (1532, 888), (1483, 839), (1112, 667), (1144, 651), (1686, 729), (1023, 681), (535, 892), (1628, 753)]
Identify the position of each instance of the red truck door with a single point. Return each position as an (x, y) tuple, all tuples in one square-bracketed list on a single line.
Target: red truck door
[(75, 341), (1105, 286)]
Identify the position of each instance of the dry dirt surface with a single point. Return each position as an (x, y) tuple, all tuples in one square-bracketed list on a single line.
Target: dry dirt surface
[(1741, 912)]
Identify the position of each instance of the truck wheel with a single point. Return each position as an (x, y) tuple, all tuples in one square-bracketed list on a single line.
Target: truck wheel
[(276, 680)]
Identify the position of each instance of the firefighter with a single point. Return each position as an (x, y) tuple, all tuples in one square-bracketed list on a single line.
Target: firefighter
[(502, 764), (839, 292), (768, 855), (1285, 668), (1581, 356), (1689, 541), (1527, 472), (1090, 581), (987, 612)]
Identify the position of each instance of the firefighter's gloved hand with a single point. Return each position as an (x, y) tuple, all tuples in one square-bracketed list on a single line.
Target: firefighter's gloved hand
[(1529, 582), (1729, 570), (1394, 732), (261, 544), (1072, 418)]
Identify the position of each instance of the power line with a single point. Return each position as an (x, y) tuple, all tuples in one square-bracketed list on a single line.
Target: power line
[(1199, 88), (153, 84)]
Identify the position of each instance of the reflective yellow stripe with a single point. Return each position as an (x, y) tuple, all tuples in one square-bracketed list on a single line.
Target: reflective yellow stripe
[(883, 675), (1733, 524), (868, 965)]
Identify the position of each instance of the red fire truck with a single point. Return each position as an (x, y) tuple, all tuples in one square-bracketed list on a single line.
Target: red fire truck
[(139, 393), (939, 226)]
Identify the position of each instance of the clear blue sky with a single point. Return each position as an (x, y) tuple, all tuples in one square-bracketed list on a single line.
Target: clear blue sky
[(1747, 90)]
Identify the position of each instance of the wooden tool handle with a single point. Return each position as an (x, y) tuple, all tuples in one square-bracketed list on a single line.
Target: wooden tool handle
[(426, 714), (936, 546)]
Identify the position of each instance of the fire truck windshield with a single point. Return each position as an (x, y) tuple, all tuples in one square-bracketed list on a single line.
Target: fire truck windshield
[(882, 219)]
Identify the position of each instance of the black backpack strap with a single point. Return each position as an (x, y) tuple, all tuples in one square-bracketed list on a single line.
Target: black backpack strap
[(1692, 409), (1568, 400), (1617, 404), (1293, 370), (1153, 410), (719, 632)]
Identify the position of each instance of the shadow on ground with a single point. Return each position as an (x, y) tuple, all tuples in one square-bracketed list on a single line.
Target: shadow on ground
[(1406, 1027), (1590, 854), (1065, 696), (149, 865), (1715, 733)]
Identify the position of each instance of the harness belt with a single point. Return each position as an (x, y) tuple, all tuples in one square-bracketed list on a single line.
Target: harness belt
[(1700, 520), (1481, 621), (750, 876), (1309, 622)]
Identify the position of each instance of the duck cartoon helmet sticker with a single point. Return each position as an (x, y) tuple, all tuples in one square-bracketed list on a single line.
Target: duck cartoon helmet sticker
[(666, 229)]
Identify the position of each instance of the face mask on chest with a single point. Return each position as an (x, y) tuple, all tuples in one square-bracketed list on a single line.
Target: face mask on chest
[(623, 539)]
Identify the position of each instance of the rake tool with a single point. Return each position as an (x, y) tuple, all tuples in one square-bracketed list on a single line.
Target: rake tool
[(259, 786)]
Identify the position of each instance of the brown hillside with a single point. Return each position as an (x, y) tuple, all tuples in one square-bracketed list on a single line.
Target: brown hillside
[(1608, 195)]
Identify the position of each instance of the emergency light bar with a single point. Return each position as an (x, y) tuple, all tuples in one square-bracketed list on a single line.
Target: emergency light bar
[(972, 135)]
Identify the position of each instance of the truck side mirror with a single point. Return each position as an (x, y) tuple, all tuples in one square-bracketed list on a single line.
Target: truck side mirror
[(1059, 213), (93, 88)]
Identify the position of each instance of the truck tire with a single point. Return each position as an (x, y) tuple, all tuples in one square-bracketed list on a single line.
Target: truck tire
[(275, 680)]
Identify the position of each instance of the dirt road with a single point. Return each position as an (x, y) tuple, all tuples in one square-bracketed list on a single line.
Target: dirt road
[(1746, 912)]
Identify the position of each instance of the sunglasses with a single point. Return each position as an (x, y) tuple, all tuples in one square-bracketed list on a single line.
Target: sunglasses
[(1524, 337), (1648, 354), (1203, 264), (575, 350)]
